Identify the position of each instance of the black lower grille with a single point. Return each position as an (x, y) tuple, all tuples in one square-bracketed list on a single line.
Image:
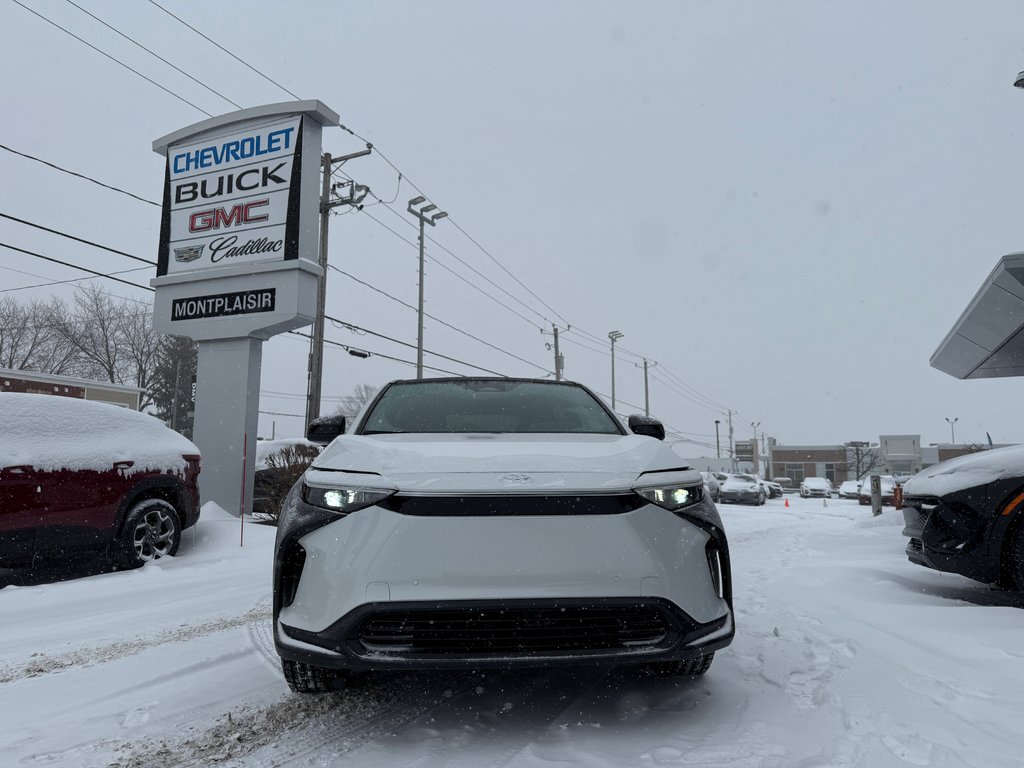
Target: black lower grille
[(496, 631)]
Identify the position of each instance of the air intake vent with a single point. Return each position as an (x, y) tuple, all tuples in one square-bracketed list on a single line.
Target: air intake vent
[(547, 630)]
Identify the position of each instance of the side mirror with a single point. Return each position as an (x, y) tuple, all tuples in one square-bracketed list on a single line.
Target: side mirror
[(645, 425), (321, 431)]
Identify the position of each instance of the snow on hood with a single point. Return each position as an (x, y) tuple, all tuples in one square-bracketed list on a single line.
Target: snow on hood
[(967, 471), (50, 433), (477, 462)]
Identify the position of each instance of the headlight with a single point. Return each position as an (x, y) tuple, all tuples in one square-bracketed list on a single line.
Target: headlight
[(673, 497), (342, 500)]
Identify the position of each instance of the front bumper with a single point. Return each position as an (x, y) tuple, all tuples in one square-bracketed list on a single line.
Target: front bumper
[(740, 497), (506, 633), (336, 573), (943, 540)]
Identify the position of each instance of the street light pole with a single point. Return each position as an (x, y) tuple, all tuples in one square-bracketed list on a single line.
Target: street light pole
[(952, 430), (754, 448), (425, 216), (718, 443), (614, 336)]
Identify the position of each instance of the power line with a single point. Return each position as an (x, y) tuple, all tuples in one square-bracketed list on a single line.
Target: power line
[(62, 169), (451, 271), (353, 327), (77, 239), (155, 55), (439, 320), (61, 282), (107, 55), (75, 266), (221, 47), (348, 348)]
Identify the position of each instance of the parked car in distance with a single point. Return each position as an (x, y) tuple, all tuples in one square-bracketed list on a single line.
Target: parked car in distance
[(966, 516), (849, 489), (714, 489), (773, 489), (496, 522), (815, 487), (888, 486), (743, 489), (80, 477)]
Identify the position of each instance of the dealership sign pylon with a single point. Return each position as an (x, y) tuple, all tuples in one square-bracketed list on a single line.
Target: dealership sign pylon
[(237, 264)]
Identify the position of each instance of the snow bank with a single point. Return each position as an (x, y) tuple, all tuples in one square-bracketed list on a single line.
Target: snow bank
[(51, 433), (967, 472)]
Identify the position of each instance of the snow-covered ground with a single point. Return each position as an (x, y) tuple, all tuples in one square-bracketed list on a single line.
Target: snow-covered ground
[(845, 655)]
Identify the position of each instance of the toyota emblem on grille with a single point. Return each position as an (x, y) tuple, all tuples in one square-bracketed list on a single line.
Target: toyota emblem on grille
[(515, 480)]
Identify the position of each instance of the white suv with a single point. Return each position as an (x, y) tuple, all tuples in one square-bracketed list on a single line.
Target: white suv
[(497, 522)]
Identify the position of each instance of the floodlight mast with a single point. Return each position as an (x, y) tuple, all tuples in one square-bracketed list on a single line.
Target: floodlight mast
[(425, 216)]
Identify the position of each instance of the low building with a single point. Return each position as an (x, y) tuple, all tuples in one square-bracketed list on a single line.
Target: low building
[(798, 462), (69, 386)]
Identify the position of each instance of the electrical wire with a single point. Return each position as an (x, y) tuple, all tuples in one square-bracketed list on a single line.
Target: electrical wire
[(222, 48), (155, 55), (438, 320), (116, 61), (62, 169), (75, 266), (62, 282), (77, 239), (372, 353), (354, 327)]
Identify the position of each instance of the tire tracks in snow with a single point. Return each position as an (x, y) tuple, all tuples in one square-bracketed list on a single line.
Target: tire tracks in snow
[(48, 663), (331, 723)]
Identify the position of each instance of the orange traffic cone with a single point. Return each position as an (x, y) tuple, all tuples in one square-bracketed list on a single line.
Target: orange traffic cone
[(787, 502)]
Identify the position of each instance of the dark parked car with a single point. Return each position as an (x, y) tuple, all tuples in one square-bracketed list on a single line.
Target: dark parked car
[(79, 476), (743, 489), (966, 516), (888, 488)]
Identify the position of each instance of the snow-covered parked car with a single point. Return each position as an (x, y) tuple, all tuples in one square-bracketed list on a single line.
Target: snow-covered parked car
[(743, 489), (849, 489), (773, 489), (966, 516), (714, 488), (482, 522), (79, 476), (813, 487)]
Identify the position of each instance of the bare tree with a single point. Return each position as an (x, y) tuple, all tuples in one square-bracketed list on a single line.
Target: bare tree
[(353, 403), (862, 457)]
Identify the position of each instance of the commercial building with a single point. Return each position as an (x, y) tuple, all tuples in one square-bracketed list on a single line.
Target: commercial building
[(68, 386)]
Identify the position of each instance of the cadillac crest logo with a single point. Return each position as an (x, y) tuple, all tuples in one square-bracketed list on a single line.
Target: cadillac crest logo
[(188, 253)]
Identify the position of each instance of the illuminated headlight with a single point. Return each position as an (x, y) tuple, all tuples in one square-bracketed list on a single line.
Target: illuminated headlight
[(342, 500), (673, 497)]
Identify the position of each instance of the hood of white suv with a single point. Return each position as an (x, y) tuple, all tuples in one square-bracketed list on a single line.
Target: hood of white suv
[(506, 463)]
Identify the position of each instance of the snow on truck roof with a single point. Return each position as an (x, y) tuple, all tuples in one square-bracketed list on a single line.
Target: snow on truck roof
[(50, 433)]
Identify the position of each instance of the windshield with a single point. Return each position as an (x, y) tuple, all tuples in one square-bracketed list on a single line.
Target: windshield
[(488, 405)]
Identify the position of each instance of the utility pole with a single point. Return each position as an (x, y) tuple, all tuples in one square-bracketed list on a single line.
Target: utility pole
[(614, 336), (755, 450), (426, 217), (647, 397), (559, 363), (732, 451), (718, 444), (952, 429), (316, 350)]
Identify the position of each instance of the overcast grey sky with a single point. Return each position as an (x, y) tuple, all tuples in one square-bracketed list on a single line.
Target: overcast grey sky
[(787, 205)]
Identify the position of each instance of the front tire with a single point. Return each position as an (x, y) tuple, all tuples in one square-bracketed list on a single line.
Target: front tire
[(686, 668), (306, 678), (1014, 565), (152, 529)]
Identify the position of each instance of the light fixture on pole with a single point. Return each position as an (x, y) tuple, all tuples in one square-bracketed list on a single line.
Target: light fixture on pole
[(952, 429), (614, 336), (426, 215)]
